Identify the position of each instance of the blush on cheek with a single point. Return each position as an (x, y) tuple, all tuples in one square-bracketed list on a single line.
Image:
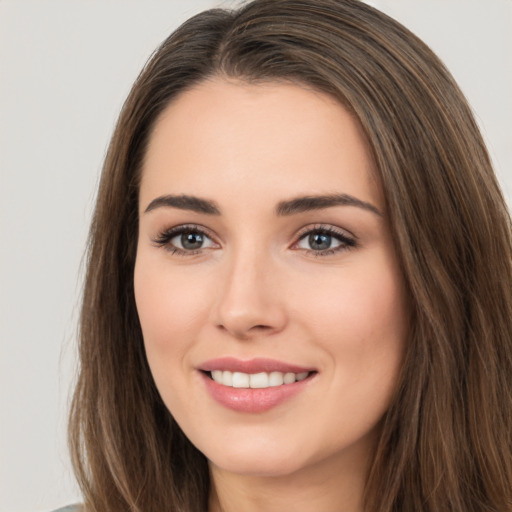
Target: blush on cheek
[(366, 314)]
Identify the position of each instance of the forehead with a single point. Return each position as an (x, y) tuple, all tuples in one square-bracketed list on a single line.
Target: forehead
[(250, 138)]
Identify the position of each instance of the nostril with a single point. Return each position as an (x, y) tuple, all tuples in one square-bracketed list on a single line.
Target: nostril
[(260, 328), (242, 332)]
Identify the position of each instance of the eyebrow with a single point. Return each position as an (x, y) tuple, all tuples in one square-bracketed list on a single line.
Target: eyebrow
[(284, 208), (184, 202), (308, 203)]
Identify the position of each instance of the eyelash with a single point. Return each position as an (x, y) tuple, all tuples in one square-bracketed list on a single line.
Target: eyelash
[(165, 237), (346, 242)]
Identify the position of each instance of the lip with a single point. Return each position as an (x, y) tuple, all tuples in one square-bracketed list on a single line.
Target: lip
[(255, 365), (248, 400)]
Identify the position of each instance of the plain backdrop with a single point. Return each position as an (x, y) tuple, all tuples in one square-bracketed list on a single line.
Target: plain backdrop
[(65, 69)]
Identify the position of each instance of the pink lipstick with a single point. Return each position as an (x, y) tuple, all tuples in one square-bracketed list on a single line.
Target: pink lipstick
[(253, 386)]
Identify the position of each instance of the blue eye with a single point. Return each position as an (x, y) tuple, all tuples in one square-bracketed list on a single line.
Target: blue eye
[(184, 240), (324, 241), (320, 241)]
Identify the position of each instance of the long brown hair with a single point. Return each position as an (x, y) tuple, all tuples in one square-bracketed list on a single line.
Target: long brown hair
[(446, 441)]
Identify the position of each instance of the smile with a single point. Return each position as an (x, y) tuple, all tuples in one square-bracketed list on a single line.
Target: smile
[(256, 385), (260, 380)]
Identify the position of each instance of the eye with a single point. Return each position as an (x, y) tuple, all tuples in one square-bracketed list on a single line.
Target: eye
[(324, 240), (184, 240), (190, 241)]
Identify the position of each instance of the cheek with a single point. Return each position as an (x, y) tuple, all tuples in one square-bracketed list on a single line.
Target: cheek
[(167, 299), (171, 309), (362, 326), (361, 318)]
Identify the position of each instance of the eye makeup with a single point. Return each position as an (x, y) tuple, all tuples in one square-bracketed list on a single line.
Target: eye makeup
[(192, 239), (324, 240), (185, 240)]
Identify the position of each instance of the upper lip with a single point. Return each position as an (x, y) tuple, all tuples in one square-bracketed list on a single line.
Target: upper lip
[(256, 365)]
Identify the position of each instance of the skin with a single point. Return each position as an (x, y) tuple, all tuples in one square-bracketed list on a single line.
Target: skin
[(258, 288)]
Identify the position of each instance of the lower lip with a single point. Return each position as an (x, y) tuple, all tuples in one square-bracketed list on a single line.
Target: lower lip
[(252, 400)]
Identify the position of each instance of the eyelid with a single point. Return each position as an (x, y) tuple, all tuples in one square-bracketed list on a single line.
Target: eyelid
[(347, 239), (329, 228), (163, 238)]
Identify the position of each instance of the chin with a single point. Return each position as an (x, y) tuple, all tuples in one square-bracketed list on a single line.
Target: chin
[(257, 466), (263, 459)]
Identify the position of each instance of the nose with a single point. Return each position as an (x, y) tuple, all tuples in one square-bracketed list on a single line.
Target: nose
[(251, 300)]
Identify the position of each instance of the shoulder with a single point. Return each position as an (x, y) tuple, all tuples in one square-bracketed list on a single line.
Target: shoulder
[(70, 508)]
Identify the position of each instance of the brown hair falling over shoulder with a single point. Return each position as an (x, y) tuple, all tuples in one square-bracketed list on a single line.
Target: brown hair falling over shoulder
[(446, 441)]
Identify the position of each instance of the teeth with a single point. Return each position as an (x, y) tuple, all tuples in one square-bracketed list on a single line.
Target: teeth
[(256, 380), (275, 379), (289, 378), (240, 380), (227, 377)]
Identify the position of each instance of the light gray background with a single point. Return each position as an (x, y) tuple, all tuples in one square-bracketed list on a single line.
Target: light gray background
[(65, 69)]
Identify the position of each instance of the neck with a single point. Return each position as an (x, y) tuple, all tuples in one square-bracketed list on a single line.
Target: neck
[(323, 489)]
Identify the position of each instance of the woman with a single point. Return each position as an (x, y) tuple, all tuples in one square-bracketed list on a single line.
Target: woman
[(298, 286)]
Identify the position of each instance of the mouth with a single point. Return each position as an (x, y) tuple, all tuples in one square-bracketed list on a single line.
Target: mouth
[(261, 380), (254, 386)]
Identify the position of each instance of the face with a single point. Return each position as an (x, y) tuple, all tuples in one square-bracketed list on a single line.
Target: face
[(266, 281)]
